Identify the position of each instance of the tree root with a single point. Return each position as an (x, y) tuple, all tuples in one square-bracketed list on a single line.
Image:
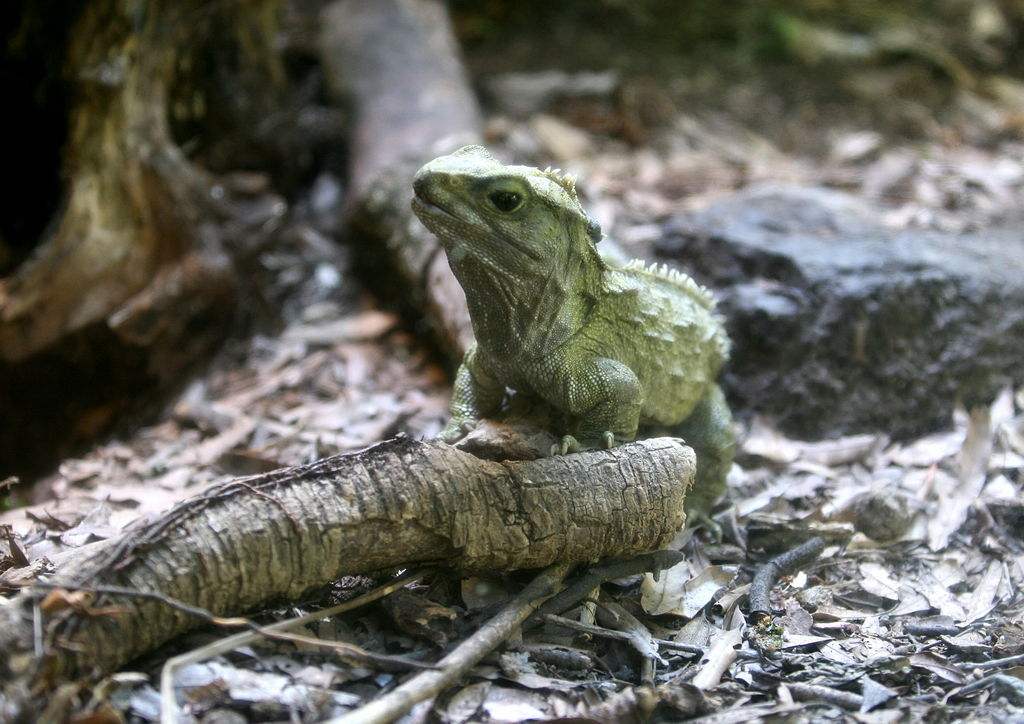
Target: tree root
[(132, 195), (277, 535)]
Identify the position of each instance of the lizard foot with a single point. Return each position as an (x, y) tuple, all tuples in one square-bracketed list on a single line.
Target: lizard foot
[(456, 429), (570, 444), (709, 524)]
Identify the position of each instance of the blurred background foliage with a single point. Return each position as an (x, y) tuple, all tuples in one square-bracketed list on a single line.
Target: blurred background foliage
[(904, 67), (985, 33)]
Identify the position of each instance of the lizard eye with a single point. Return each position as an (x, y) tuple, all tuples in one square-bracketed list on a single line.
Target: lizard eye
[(505, 201)]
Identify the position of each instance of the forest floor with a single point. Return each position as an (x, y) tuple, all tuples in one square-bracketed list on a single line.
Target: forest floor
[(905, 615)]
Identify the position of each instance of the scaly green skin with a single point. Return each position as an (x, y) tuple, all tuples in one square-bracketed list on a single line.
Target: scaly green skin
[(611, 348)]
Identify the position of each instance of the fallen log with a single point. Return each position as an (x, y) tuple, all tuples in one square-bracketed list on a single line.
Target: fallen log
[(277, 535)]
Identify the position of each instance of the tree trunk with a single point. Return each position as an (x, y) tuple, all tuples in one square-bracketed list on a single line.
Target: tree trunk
[(124, 292)]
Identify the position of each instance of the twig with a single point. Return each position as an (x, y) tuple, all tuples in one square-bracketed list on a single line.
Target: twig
[(592, 629), (168, 707), (174, 603), (995, 663), (931, 629), (1011, 686), (346, 650), (453, 667), (816, 692), (350, 651), (744, 714), (613, 614), (768, 574), (594, 577), (618, 635), (37, 630)]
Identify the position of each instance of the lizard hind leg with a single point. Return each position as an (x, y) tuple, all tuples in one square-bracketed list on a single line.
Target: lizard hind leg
[(708, 430)]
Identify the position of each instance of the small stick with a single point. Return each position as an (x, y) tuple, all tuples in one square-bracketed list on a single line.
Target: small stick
[(37, 630), (588, 609), (585, 584), (588, 628), (931, 629), (768, 574), (614, 614), (1003, 681), (816, 692), (618, 635), (451, 668), (344, 649), (174, 603), (995, 663), (168, 707)]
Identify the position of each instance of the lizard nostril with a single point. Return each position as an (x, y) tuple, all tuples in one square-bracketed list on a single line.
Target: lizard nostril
[(419, 185)]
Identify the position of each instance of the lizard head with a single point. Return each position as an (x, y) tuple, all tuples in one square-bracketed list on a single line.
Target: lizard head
[(512, 217)]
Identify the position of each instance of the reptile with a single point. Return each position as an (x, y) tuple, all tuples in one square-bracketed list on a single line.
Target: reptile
[(610, 347)]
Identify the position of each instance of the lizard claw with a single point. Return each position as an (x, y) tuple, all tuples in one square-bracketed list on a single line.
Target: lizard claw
[(709, 524), (569, 444), (456, 430)]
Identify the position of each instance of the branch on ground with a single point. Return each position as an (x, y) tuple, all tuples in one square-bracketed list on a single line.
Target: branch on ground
[(275, 536)]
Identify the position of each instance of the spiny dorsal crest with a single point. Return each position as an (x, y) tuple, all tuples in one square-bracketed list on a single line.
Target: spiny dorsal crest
[(566, 180), (699, 292)]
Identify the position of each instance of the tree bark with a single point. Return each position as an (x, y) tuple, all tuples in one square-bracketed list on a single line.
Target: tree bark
[(399, 503), (132, 196)]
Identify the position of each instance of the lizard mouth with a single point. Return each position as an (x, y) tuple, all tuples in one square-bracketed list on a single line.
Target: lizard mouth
[(423, 208)]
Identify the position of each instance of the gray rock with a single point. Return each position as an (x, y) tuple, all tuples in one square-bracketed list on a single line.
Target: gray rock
[(841, 325)]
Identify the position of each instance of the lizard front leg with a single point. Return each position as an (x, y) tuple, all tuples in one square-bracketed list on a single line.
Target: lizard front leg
[(475, 394), (604, 397)]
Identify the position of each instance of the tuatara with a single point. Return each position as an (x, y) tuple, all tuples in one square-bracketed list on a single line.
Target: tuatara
[(610, 347)]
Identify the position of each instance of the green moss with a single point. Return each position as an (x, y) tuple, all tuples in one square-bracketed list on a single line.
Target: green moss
[(768, 635)]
